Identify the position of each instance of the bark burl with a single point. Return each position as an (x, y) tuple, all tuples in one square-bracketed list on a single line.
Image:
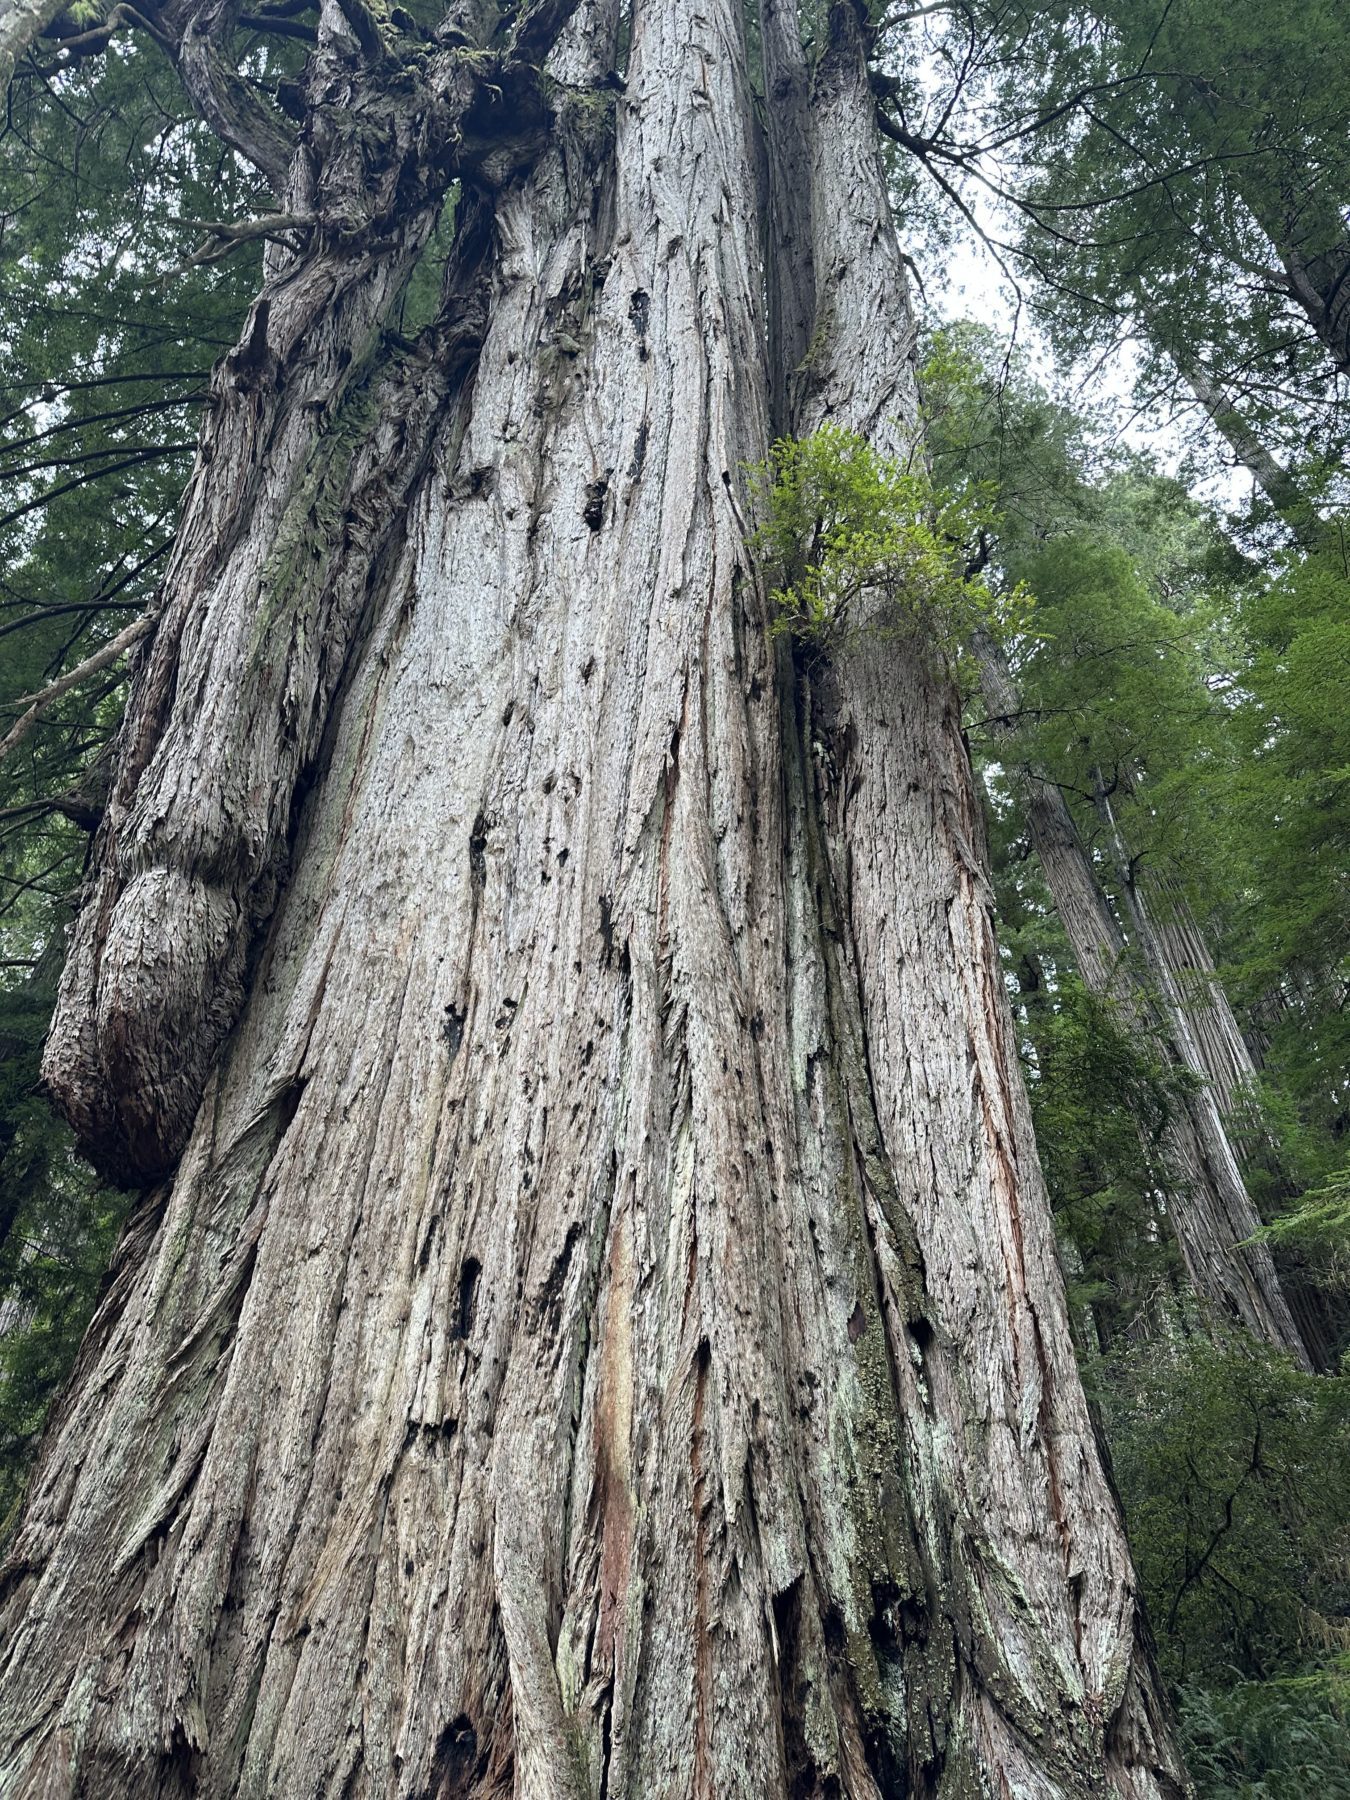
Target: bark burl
[(601, 1334)]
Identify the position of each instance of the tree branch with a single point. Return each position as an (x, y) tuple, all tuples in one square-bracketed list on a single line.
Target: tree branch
[(22, 22), (38, 703)]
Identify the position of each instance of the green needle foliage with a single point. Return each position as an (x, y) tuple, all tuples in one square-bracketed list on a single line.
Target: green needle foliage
[(1231, 1465), (842, 521)]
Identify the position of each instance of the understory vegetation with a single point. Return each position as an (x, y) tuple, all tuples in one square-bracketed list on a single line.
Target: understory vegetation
[(1172, 604)]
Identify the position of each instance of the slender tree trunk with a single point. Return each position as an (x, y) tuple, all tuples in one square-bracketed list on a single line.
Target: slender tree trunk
[(1222, 1050), (603, 1335), (1207, 1201), (1270, 475), (1315, 252), (1305, 224)]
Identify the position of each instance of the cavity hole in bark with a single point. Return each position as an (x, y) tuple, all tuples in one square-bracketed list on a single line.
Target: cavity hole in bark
[(802, 1770), (477, 847), (640, 312), (588, 668), (469, 1272), (594, 510), (639, 453), (857, 1323), (884, 1626), (475, 485), (607, 927), (885, 1757), (455, 1017), (180, 1763), (288, 1104), (455, 1763), (605, 1746)]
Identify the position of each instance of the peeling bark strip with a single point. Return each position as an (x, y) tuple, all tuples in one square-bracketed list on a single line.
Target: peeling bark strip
[(603, 1336)]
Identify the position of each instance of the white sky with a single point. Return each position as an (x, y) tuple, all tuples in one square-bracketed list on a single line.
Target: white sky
[(972, 286)]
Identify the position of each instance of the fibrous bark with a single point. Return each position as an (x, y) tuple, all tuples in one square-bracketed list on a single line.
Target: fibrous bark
[(320, 425), (1210, 1210), (603, 1335)]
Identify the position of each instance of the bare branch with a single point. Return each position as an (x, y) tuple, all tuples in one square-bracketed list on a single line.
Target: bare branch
[(227, 237), (38, 703)]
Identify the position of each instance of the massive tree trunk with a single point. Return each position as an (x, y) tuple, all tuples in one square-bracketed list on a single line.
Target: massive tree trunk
[(603, 1333), (1207, 1201)]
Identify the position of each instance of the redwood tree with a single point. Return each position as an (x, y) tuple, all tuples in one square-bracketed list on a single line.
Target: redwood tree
[(592, 1325)]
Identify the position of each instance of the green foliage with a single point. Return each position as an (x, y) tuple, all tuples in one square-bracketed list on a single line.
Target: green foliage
[(1275, 1740), (1174, 170), (1320, 1222), (1092, 1088), (842, 521), (103, 368), (1231, 1465), (1202, 689), (1290, 837)]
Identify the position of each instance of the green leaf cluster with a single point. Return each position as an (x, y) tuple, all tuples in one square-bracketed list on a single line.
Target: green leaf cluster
[(843, 523)]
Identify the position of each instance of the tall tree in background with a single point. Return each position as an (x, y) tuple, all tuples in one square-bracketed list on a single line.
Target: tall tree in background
[(1172, 172), (592, 1323), (1126, 752)]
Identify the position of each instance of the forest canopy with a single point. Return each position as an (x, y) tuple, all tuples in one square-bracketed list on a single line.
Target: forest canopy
[(1116, 526)]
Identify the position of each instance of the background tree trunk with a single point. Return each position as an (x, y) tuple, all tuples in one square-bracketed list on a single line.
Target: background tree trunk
[(604, 1335), (1207, 1201)]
